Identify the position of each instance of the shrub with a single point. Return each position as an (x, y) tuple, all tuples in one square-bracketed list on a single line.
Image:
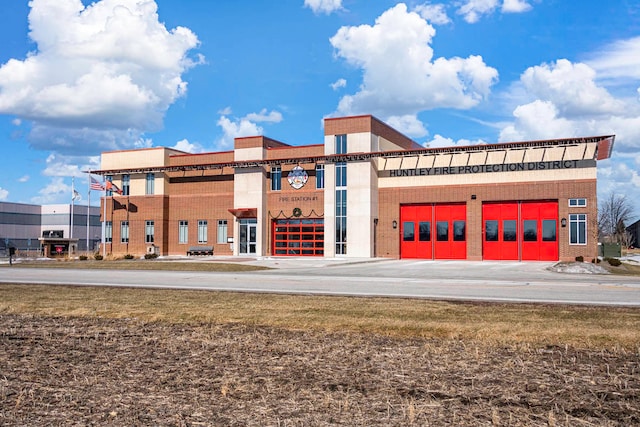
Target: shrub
[(98, 257), (580, 258), (614, 262), (83, 257), (128, 256), (150, 256)]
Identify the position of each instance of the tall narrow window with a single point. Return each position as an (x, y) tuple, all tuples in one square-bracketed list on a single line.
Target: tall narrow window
[(341, 197), (183, 231), (578, 229), (109, 178), (202, 231), (319, 176), (149, 231), (222, 231), (124, 232), (151, 181), (126, 183), (108, 231), (276, 178)]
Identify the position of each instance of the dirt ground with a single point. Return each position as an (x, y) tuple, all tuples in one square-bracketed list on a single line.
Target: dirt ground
[(95, 371)]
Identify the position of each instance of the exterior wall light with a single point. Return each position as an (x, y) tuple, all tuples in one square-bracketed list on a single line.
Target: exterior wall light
[(563, 222), (394, 224)]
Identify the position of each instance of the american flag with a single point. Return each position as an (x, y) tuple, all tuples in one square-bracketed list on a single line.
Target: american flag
[(96, 185)]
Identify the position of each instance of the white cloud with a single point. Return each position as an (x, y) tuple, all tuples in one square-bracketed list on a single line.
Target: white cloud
[(4, 194), (263, 116), (16, 122), (323, 6), (188, 147), (400, 74), (473, 10), (619, 60), (111, 69), (24, 178), (537, 120), (340, 83), (515, 6), (408, 125), (440, 141), (53, 192), (433, 13)]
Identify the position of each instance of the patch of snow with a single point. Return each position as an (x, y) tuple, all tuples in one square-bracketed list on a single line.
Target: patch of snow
[(578, 268)]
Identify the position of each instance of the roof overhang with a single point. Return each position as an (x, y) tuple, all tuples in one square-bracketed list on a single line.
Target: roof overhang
[(242, 213)]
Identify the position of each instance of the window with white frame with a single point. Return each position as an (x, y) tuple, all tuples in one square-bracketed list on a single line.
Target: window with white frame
[(577, 203), (124, 232), (183, 231), (202, 231), (222, 231), (150, 185), (126, 184), (276, 178), (108, 231), (149, 231), (319, 176), (577, 229)]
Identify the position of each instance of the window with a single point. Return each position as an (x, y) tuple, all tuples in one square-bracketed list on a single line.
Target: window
[(577, 229), (341, 197), (459, 234), (491, 231), (126, 183), (442, 230), (124, 232), (149, 231), (509, 230), (319, 176), (108, 232), (424, 230), (408, 232), (341, 144), (150, 187), (222, 231), (530, 230), (183, 231), (577, 203), (549, 230), (202, 231), (109, 178), (276, 178)]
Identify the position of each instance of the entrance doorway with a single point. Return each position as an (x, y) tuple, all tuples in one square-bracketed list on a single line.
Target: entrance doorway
[(248, 236)]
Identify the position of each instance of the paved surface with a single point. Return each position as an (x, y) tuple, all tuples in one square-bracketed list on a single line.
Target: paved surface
[(450, 280)]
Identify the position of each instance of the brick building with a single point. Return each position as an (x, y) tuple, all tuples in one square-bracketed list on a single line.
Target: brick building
[(366, 191)]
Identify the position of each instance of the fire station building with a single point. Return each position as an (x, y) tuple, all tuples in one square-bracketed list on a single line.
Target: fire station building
[(366, 191)]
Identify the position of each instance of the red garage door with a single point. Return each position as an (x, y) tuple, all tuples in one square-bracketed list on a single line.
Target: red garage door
[(433, 231), (520, 231)]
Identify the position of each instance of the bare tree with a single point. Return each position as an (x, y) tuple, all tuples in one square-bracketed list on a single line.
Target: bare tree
[(614, 211)]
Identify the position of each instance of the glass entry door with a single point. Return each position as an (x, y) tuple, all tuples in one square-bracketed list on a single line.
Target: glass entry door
[(248, 236)]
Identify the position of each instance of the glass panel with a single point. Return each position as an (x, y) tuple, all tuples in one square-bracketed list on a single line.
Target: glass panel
[(442, 231), (530, 228), (408, 231), (424, 230), (491, 231), (509, 230), (549, 230), (582, 233), (459, 231)]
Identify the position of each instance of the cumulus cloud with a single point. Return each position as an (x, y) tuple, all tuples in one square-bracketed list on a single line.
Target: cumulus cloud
[(618, 62), (54, 191), (401, 77), (433, 13), (408, 124), (4, 194), (473, 10), (58, 165), (440, 141), (323, 6), (340, 83), (24, 178), (188, 147), (244, 126), (109, 70)]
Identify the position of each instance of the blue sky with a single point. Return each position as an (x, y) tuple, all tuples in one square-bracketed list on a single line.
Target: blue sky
[(78, 78)]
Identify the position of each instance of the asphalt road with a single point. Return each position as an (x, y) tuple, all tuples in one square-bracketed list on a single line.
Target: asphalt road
[(449, 280)]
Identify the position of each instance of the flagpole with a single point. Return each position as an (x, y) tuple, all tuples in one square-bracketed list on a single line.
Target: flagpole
[(88, 206), (73, 202), (104, 219)]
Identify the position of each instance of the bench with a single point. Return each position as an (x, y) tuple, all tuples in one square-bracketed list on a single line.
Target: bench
[(200, 250)]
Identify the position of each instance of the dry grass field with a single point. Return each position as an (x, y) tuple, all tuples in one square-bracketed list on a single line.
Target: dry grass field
[(78, 356)]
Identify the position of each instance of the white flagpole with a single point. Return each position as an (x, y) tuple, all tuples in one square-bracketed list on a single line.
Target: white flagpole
[(104, 219), (88, 207), (73, 202)]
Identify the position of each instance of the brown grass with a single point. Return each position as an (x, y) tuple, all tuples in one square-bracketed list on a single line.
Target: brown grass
[(138, 264), (493, 323)]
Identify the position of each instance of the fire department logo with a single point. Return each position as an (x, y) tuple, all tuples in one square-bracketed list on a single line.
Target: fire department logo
[(298, 177)]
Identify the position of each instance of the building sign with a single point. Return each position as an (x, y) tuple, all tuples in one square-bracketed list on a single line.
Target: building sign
[(504, 167), (298, 177)]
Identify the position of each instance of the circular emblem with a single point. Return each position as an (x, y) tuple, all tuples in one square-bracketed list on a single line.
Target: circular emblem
[(297, 212), (298, 177)]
